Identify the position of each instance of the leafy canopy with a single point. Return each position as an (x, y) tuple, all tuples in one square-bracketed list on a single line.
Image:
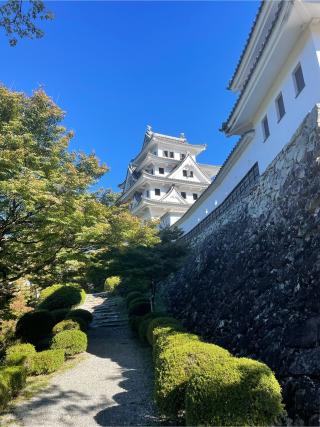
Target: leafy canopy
[(19, 18), (52, 228)]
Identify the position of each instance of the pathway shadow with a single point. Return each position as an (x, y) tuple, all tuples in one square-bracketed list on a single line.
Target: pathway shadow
[(133, 405)]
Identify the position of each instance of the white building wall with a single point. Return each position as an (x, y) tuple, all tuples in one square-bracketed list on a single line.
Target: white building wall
[(307, 52)]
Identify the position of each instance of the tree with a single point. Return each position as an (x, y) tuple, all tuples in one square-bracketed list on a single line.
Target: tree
[(19, 19), (52, 228), (152, 263)]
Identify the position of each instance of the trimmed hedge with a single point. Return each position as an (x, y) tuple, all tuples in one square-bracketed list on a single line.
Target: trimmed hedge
[(34, 326), (233, 392), (46, 362), (60, 314), (133, 295), (65, 325), (12, 380), (83, 325), (72, 342), (160, 321), (61, 296), (19, 354), (139, 308), (142, 325), (180, 356), (137, 300), (80, 312)]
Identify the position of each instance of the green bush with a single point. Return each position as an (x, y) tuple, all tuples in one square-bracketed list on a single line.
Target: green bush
[(61, 296), (133, 295), (160, 321), (72, 342), (137, 300), (233, 392), (65, 325), (139, 309), (34, 326), (46, 362), (142, 325), (80, 312), (59, 314), (12, 380), (111, 283), (83, 325), (19, 354), (179, 357)]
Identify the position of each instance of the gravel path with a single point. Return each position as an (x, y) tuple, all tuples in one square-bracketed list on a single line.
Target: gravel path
[(112, 386)]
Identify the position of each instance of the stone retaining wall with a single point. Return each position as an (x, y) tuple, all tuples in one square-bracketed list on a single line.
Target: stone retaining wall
[(252, 281)]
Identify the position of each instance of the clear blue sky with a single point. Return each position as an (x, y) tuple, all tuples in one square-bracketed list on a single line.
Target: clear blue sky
[(115, 67)]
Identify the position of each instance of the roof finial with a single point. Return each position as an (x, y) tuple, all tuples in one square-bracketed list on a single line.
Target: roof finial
[(182, 135), (149, 128)]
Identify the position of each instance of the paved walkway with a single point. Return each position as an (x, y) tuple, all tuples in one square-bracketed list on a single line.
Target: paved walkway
[(112, 386)]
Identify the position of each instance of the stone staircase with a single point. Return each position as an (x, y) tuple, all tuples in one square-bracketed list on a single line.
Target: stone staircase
[(107, 311)]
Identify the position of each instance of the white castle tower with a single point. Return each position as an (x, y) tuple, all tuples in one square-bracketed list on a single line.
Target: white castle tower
[(164, 179)]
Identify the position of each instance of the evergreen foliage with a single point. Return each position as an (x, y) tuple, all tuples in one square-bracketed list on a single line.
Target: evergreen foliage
[(61, 296), (65, 325), (72, 342), (34, 326), (46, 362), (19, 354)]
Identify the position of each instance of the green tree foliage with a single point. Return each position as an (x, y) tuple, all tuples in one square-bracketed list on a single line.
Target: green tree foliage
[(52, 228), (20, 18), (138, 263)]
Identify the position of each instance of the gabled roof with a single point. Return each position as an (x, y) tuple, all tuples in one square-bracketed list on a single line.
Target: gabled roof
[(173, 196), (188, 161)]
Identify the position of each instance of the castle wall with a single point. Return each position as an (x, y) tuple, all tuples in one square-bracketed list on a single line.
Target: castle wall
[(252, 280)]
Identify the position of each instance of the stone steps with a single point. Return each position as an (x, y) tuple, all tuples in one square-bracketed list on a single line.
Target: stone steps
[(107, 312)]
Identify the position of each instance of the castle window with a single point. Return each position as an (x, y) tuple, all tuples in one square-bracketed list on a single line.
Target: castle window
[(184, 195), (195, 196), (182, 156), (298, 79), (280, 107), (157, 191), (265, 128), (148, 194), (191, 174), (165, 153), (161, 171), (185, 172), (171, 154)]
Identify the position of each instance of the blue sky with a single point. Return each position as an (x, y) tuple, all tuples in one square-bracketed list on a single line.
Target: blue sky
[(115, 67)]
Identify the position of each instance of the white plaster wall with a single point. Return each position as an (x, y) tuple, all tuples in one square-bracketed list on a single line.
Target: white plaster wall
[(307, 53)]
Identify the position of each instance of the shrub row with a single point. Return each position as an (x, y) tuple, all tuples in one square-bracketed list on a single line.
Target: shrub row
[(202, 382), (12, 380)]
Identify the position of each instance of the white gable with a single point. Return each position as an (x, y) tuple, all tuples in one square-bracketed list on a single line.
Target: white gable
[(173, 197), (189, 165)]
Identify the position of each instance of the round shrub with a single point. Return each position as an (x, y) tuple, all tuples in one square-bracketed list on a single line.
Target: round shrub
[(160, 321), (133, 295), (83, 325), (144, 323), (180, 357), (59, 314), (72, 342), (111, 283), (80, 312), (65, 325), (136, 301), (61, 296), (34, 326), (233, 392), (19, 354), (12, 380), (140, 308), (46, 362)]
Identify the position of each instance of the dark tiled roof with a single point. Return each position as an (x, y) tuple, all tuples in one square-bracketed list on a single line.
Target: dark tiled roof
[(247, 42), (224, 126)]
